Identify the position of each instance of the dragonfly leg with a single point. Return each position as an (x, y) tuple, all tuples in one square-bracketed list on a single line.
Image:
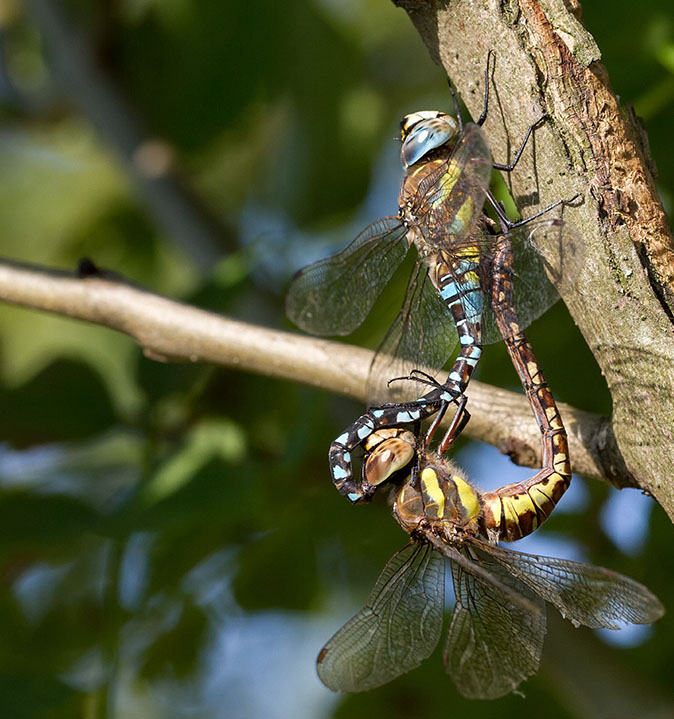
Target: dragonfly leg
[(483, 116), (509, 224), (396, 415), (457, 108), (438, 418), (518, 154), (485, 107), (515, 510), (458, 424)]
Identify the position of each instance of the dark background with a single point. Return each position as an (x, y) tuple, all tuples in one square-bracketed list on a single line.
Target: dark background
[(170, 542)]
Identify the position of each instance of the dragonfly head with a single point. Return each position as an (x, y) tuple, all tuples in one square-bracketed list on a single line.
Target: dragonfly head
[(424, 131), (387, 452)]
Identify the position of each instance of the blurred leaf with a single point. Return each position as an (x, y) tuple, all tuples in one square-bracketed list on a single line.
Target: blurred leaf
[(175, 653), (50, 521), (33, 413), (26, 696), (277, 571), (209, 440)]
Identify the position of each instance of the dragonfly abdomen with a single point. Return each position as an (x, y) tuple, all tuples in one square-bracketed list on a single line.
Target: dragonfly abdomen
[(516, 510), (457, 280), (515, 514)]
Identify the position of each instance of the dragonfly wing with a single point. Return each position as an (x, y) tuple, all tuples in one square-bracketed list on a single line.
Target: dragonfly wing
[(334, 295), (548, 258), (398, 627), (493, 644), (422, 337), (592, 596), (448, 203)]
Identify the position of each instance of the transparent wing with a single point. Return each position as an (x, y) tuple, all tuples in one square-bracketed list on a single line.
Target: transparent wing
[(422, 337), (397, 629), (592, 596), (493, 644), (448, 203), (334, 295), (548, 257)]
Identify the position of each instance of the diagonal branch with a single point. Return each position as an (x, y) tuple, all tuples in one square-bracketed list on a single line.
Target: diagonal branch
[(171, 331)]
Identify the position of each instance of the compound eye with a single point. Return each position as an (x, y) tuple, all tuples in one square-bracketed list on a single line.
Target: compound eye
[(408, 122), (387, 458), (426, 135)]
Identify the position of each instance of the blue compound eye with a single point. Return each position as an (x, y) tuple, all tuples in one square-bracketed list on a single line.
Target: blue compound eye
[(425, 135), (409, 122)]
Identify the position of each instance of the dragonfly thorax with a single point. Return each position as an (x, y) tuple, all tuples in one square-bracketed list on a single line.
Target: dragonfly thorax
[(424, 131), (442, 499)]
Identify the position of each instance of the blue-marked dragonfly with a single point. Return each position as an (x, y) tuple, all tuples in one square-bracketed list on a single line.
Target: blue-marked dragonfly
[(447, 171)]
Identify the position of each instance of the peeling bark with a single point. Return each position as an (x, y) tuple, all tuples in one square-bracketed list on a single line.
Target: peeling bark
[(547, 62)]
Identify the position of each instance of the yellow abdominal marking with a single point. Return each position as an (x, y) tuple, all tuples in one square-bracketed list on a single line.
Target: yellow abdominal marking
[(433, 494), (472, 278), (532, 369), (551, 414), (519, 504), (467, 496), (544, 498), (509, 513), (470, 251), (560, 464)]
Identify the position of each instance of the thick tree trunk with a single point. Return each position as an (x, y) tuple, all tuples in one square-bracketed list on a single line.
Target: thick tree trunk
[(546, 62)]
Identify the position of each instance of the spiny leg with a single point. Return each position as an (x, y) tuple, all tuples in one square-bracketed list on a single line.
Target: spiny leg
[(515, 510), (509, 225), (457, 425), (483, 116)]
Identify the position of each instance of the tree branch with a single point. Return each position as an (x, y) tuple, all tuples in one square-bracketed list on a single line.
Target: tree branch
[(171, 331), (546, 62)]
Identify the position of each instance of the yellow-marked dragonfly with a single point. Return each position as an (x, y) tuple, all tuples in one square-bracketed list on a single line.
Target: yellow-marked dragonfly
[(495, 637), (498, 625), (447, 171)]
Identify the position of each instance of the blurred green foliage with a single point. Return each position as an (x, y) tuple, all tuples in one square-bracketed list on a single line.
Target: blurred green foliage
[(153, 515)]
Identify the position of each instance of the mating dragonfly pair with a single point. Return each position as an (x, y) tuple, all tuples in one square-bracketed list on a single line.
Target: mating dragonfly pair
[(482, 284), (495, 638)]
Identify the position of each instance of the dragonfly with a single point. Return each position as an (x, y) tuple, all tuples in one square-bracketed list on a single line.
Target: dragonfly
[(498, 625), (448, 167)]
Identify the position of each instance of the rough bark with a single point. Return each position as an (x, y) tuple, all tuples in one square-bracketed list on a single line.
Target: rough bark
[(547, 62)]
